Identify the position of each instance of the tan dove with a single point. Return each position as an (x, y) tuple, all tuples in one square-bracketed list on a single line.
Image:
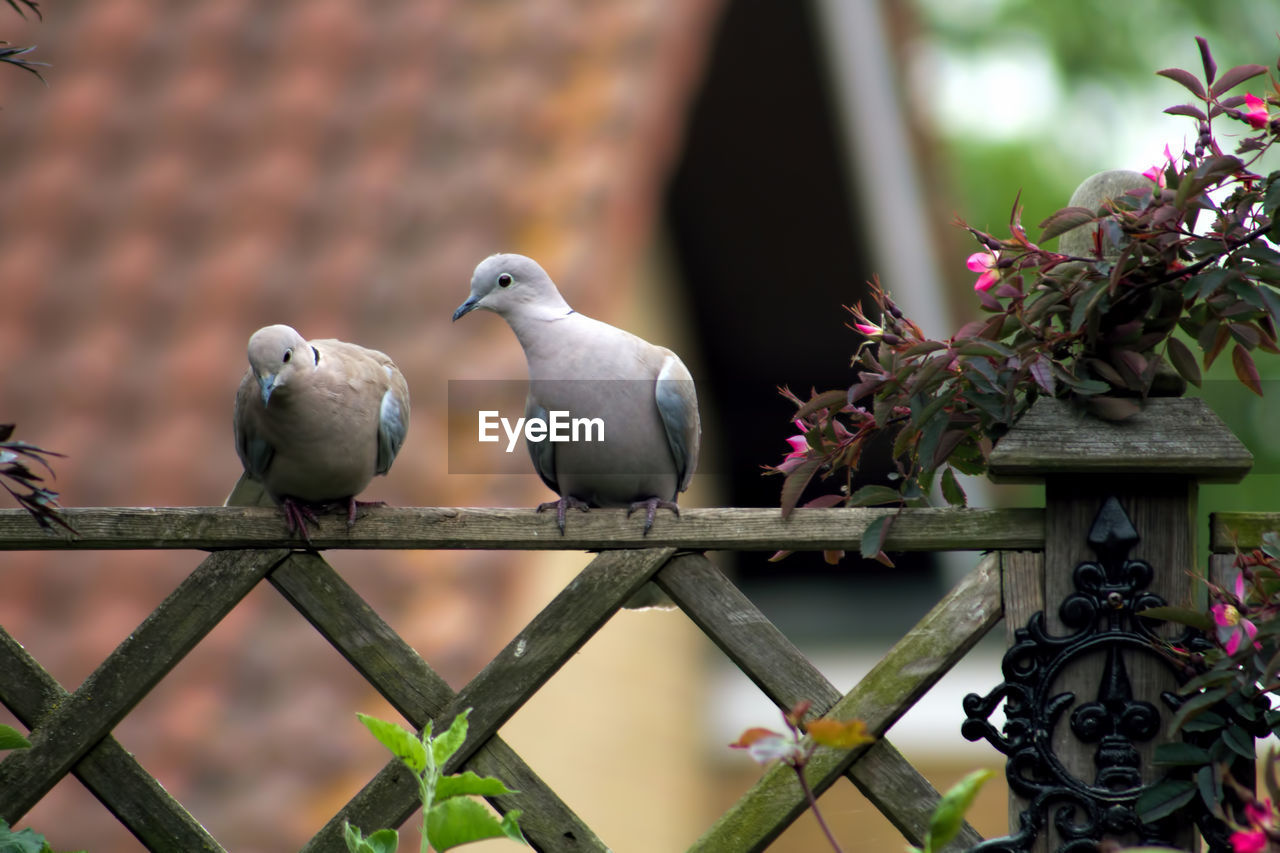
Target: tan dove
[(314, 422), (642, 394)]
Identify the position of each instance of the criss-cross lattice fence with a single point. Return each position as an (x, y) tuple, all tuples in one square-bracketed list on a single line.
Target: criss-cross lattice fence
[(71, 732)]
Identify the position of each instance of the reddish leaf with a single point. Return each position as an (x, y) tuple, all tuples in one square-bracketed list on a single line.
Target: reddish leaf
[(1206, 58), (865, 385), (949, 441), (1245, 334), (1042, 371), (825, 501), (1220, 338), (1065, 220), (795, 484), (1183, 361), (1246, 370), (1186, 78), (826, 400), (1187, 110), (753, 735), (1233, 77), (1113, 408)]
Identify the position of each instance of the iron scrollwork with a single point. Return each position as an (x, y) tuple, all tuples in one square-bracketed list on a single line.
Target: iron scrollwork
[(1102, 615)]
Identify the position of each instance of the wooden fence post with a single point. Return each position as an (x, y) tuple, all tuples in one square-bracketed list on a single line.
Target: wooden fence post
[(1082, 688)]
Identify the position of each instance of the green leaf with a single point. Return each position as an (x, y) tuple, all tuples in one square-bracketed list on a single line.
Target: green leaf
[(1164, 799), (469, 784), (1179, 754), (22, 841), (402, 743), (872, 544), (382, 841), (1239, 741), (448, 742), (874, 495), (1206, 722), (1065, 220), (11, 738), (1182, 615), (460, 820), (1209, 781), (1183, 360), (951, 489), (948, 817), (1196, 704)]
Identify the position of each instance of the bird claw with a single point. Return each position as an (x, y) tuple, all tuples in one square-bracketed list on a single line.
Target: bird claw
[(651, 507), (353, 505), (296, 516), (562, 507)]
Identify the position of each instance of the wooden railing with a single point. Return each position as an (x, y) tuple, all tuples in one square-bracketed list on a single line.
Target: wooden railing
[(71, 732)]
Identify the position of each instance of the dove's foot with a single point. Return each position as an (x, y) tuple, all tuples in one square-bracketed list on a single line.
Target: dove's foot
[(562, 507), (353, 505), (297, 514), (651, 507)]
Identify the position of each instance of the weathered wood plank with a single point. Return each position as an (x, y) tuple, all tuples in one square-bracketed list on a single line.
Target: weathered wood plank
[(1245, 529), (515, 675), (1023, 579), (909, 669), (1171, 435), (110, 773), (127, 675), (713, 529), (786, 676), (420, 694)]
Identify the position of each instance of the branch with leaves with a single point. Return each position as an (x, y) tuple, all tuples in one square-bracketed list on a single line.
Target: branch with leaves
[(24, 484), (1192, 247), (16, 55)]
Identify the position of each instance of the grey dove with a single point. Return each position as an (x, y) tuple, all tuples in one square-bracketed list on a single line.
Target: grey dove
[(314, 422), (643, 395)]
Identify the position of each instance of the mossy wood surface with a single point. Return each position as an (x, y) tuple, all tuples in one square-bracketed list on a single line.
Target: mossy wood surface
[(1229, 530), (415, 690), (909, 669), (786, 676), (719, 529)]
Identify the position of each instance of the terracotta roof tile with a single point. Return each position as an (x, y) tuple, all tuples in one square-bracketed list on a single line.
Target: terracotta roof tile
[(195, 171)]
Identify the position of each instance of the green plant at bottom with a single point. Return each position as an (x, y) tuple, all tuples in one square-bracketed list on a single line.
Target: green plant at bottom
[(450, 817), (797, 744), (23, 840)]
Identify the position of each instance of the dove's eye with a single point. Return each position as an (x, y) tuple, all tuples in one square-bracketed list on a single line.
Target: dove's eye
[(288, 354), (504, 280)]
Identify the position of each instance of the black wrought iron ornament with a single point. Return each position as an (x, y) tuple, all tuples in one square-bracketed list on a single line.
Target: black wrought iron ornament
[(1102, 613)]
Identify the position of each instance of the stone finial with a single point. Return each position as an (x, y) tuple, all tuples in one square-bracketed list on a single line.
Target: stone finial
[(1093, 193)]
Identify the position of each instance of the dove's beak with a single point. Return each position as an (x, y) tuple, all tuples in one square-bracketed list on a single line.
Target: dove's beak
[(467, 307), (267, 382)]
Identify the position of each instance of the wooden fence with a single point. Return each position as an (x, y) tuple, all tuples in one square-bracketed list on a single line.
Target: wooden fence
[(71, 732)]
